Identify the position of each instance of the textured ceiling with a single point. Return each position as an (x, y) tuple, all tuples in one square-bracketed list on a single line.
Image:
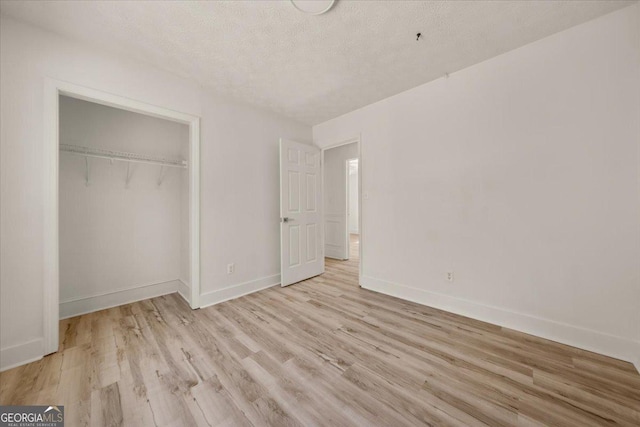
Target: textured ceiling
[(310, 68)]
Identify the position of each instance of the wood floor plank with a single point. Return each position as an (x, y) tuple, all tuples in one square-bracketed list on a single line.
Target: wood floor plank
[(320, 352), (110, 405)]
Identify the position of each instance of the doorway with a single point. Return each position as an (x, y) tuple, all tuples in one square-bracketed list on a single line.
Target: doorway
[(51, 172), (353, 208), (342, 183), (123, 207)]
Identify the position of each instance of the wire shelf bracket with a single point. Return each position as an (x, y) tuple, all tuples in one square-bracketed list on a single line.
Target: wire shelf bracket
[(122, 156)]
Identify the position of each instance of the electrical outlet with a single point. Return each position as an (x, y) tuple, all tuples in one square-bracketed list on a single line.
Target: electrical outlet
[(231, 268), (449, 276)]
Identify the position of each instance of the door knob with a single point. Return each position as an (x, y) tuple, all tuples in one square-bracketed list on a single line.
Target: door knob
[(285, 219)]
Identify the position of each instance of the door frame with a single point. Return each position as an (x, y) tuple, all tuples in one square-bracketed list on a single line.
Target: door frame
[(50, 152), (347, 164), (356, 139)]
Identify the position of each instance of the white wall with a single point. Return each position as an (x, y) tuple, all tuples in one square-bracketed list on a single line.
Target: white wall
[(335, 199), (239, 173), (353, 197), (520, 175), (114, 239), (243, 224)]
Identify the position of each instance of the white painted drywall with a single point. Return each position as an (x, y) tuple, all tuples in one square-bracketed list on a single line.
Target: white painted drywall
[(335, 199), (520, 175), (353, 197), (239, 173), (243, 207), (114, 238)]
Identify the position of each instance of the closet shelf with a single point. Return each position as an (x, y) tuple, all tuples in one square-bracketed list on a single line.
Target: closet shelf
[(122, 156)]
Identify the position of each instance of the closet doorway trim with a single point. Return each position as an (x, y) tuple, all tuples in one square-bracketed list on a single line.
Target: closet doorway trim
[(52, 91)]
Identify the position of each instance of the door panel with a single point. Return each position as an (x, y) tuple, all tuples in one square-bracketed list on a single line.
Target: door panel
[(335, 231), (300, 212), (335, 206)]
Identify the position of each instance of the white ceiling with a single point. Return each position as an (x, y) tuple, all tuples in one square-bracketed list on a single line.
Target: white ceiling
[(310, 68)]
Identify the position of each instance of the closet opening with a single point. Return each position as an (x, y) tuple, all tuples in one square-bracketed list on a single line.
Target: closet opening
[(122, 212)]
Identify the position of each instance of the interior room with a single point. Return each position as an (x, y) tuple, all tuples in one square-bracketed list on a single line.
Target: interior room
[(322, 212)]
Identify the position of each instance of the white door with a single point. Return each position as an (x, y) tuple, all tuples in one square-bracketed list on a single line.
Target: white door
[(300, 212), (336, 213)]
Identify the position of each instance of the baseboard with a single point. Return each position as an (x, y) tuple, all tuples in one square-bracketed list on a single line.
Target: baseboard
[(587, 339), (184, 290), (235, 291), (21, 354), (113, 299), (333, 253)]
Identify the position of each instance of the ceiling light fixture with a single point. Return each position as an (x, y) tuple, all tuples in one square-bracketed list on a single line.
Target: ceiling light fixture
[(313, 7)]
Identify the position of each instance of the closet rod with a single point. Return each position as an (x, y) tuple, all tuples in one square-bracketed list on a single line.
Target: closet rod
[(121, 156)]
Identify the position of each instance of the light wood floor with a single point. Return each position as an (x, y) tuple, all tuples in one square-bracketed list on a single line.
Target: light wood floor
[(322, 352)]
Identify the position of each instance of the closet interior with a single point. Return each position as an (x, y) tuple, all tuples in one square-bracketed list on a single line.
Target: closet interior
[(123, 206)]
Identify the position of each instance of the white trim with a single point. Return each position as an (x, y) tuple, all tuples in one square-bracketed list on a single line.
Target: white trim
[(236, 291), (50, 219), (194, 212), (356, 139), (587, 339), (360, 210), (184, 290), (333, 253), (20, 354), (79, 306), (52, 90)]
